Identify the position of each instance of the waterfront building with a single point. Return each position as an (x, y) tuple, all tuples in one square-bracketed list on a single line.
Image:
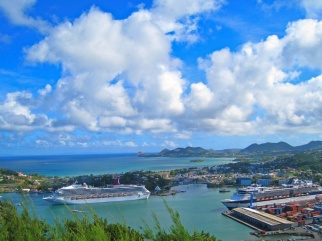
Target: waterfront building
[(243, 181), (264, 182), (261, 220)]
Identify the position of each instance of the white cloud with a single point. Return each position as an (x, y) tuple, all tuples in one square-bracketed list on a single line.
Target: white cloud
[(167, 14), (200, 97), (45, 90), (118, 143), (303, 44), (93, 59), (253, 87), (313, 8), (15, 113), (16, 12), (169, 144), (122, 77)]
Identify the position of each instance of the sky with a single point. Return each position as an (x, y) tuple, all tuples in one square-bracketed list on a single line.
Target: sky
[(126, 76)]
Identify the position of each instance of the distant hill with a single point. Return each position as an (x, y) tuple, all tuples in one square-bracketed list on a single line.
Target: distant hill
[(313, 145), (183, 152), (269, 147), (265, 148), (281, 147)]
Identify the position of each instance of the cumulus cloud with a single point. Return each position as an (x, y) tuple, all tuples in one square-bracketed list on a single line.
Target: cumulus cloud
[(15, 112), (99, 63), (254, 87), (122, 77)]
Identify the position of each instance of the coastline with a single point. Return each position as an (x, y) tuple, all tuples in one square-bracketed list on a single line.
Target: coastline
[(77, 165)]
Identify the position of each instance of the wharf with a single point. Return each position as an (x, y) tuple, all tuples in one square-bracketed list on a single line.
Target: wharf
[(262, 222), (229, 214)]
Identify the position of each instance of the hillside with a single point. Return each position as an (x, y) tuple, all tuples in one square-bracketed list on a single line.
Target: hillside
[(252, 150), (282, 147), (183, 152), (310, 160), (313, 145), (269, 147)]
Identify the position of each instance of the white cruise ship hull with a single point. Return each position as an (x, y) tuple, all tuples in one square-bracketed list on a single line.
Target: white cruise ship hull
[(68, 200), (83, 194)]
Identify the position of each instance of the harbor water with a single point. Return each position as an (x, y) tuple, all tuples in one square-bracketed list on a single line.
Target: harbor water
[(199, 207)]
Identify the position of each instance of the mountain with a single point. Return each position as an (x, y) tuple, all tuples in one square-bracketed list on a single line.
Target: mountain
[(253, 149), (282, 147), (183, 152), (313, 145), (269, 147)]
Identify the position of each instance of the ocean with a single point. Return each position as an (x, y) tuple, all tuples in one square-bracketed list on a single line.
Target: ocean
[(77, 165), (199, 207)]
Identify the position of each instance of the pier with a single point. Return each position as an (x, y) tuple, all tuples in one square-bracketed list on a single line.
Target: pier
[(259, 220), (266, 224)]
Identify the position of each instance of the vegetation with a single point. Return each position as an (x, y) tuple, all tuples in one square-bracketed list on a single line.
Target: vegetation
[(185, 152), (301, 161), (177, 230), (26, 226)]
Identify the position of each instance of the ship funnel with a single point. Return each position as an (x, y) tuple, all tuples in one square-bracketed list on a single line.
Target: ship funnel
[(117, 181)]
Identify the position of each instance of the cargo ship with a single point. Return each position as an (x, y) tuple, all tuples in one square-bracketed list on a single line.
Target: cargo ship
[(256, 195), (84, 194)]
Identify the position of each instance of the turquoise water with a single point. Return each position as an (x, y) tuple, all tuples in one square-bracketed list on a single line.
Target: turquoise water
[(199, 208), (77, 165)]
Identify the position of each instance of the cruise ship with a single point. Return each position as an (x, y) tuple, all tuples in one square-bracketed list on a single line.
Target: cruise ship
[(256, 195), (84, 194)]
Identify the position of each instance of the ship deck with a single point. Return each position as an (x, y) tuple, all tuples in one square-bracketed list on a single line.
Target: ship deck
[(284, 200)]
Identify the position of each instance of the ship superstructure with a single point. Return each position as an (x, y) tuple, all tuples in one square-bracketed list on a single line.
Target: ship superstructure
[(256, 195), (82, 194)]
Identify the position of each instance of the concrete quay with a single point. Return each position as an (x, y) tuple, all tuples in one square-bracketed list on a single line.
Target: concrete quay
[(267, 225)]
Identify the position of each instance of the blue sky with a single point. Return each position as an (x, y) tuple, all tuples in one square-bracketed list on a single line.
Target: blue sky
[(129, 76)]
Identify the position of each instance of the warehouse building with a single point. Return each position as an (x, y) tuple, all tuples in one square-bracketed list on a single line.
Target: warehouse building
[(261, 220)]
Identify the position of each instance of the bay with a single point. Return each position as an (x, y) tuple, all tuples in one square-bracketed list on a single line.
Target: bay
[(199, 207), (77, 165)]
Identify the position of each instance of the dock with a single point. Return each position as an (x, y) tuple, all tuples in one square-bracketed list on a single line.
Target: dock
[(259, 220), (229, 214), (265, 224)]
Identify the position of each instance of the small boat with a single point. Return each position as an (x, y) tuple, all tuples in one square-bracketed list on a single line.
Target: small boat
[(77, 211), (224, 190)]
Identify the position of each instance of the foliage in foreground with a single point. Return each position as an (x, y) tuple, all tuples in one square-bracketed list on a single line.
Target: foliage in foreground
[(25, 226), (177, 230)]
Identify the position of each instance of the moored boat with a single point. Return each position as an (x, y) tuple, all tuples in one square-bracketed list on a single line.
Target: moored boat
[(84, 194), (256, 195), (224, 190)]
